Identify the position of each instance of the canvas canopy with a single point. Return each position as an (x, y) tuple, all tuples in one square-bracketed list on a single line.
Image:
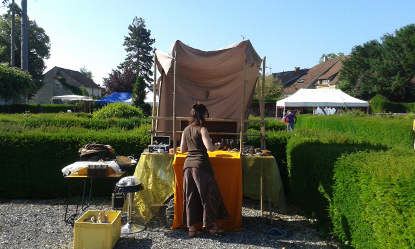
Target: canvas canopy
[(114, 97), (72, 98), (213, 78), (321, 98)]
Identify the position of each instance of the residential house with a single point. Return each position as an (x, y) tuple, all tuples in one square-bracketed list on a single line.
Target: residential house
[(53, 87), (323, 75)]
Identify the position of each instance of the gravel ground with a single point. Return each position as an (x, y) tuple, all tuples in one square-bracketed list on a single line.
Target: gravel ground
[(39, 224)]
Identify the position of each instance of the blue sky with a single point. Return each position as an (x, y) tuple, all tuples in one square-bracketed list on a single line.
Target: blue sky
[(90, 33)]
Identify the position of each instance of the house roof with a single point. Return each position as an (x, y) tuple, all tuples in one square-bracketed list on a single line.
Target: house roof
[(328, 69), (78, 77)]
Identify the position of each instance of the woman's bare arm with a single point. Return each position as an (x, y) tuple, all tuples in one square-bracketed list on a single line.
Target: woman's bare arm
[(206, 140), (183, 145)]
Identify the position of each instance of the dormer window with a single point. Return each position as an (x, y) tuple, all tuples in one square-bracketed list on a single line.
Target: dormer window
[(300, 81), (323, 82)]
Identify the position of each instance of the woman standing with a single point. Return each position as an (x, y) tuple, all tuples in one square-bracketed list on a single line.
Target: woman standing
[(201, 196)]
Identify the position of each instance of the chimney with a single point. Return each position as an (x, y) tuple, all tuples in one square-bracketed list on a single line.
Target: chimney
[(297, 71), (324, 58)]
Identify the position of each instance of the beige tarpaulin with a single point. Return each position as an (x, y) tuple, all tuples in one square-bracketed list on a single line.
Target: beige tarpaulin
[(213, 78)]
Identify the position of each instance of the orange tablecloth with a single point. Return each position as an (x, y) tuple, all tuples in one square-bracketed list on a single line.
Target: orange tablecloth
[(228, 173)]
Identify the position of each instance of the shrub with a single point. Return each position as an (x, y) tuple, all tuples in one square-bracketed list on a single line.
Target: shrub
[(118, 110), (373, 203)]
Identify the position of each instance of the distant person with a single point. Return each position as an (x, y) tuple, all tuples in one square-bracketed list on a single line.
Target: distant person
[(39, 108), (291, 120)]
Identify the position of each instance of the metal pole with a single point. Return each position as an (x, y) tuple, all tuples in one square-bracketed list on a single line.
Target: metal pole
[(262, 103), (174, 102), (241, 144)]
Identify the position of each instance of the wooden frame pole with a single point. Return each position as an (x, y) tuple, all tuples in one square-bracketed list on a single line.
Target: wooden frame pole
[(153, 122), (174, 102), (262, 103), (241, 144)]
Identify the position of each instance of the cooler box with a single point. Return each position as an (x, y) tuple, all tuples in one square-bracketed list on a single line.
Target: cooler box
[(97, 235)]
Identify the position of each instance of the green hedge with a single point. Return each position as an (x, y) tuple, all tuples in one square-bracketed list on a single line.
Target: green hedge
[(374, 199), (381, 104), (33, 108), (310, 162), (68, 120), (272, 125), (32, 161), (390, 131)]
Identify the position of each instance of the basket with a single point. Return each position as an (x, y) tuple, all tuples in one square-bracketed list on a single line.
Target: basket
[(125, 161)]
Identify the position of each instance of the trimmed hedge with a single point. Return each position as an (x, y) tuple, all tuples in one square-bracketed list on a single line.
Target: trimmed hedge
[(32, 161), (32, 108), (381, 104), (391, 131), (374, 199), (311, 160), (69, 120)]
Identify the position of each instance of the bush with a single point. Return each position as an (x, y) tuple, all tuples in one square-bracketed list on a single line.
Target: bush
[(118, 110), (373, 203), (310, 161)]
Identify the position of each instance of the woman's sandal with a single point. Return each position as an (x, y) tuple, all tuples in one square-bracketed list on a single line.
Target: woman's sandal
[(194, 233), (217, 232)]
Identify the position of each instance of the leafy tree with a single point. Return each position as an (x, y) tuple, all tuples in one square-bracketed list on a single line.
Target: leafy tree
[(273, 87), (14, 82), (139, 91), (382, 68), (86, 73), (39, 48), (138, 46), (120, 80), (329, 56)]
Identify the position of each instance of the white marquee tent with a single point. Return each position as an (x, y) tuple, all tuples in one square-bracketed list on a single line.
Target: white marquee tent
[(321, 98)]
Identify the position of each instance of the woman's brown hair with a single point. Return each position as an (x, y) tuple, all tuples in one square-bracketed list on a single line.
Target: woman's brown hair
[(197, 114)]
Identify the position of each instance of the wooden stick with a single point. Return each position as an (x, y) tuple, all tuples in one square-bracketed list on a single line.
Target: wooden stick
[(174, 101), (241, 143), (262, 103), (153, 122)]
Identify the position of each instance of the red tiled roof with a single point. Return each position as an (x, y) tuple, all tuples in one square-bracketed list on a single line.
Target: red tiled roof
[(324, 70)]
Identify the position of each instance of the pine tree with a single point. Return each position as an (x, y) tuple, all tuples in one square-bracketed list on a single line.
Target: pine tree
[(138, 46)]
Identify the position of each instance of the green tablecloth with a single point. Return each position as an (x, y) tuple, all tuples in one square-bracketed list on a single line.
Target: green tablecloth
[(272, 188)]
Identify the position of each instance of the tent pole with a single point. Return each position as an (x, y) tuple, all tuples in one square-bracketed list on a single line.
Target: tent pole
[(158, 107), (262, 103), (241, 144), (174, 102), (153, 122)]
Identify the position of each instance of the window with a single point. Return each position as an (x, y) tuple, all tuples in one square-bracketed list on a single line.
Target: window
[(300, 81)]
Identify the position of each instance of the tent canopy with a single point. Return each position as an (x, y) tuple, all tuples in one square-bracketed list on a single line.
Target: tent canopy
[(213, 78), (321, 98), (114, 97), (73, 97)]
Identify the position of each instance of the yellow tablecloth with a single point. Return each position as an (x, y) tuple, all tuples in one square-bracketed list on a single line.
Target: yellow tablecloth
[(272, 188), (157, 176), (228, 173)]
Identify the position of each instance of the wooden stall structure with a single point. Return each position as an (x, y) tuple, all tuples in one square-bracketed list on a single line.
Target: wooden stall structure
[(177, 84)]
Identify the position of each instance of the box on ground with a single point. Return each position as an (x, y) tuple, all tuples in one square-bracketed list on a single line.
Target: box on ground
[(97, 235)]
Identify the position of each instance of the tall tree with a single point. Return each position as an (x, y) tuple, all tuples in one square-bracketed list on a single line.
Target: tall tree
[(13, 9), (382, 68), (138, 46), (25, 38), (39, 47), (86, 73), (120, 80)]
